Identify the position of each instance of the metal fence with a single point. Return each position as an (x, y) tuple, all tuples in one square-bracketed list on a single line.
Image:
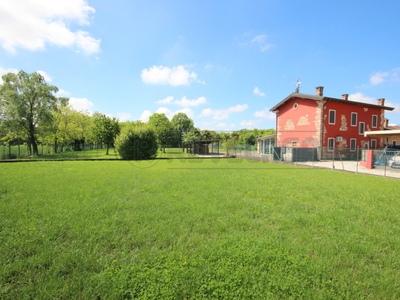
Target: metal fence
[(386, 162), (24, 151)]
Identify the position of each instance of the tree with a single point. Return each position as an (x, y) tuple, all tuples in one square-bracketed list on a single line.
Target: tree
[(28, 103), (105, 129), (181, 123), (163, 129), (68, 126)]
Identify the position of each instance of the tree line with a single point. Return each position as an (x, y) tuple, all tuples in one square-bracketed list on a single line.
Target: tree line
[(31, 113)]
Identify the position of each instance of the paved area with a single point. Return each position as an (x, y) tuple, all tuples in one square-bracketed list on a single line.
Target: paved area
[(354, 167)]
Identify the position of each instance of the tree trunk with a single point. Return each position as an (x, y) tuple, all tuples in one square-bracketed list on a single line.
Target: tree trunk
[(55, 145), (107, 146), (32, 139)]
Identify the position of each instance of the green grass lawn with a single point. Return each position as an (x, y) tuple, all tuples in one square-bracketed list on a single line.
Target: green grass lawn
[(196, 229), (90, 154)]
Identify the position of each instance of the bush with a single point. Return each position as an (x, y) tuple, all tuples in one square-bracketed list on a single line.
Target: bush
[(137, 143)]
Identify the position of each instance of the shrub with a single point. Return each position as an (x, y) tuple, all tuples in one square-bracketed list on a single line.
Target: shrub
[(137, 143)]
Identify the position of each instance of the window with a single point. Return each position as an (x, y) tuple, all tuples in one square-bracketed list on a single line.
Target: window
[(331, 144), (394, 143), (353, 145), (332, 116), (374, 121), (361, 128), (294, 144), (373, 144), (353, 119)]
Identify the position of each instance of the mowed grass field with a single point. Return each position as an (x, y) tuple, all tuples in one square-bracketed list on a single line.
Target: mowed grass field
[(84, 155), (196, 229)]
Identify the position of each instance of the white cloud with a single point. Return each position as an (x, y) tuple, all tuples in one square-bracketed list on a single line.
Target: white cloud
[(223, 125), (169, 114), (145, 116), (186, 111), (379, 77), (122, 117), (250, 123), (62, 93), (257, 92), (359, 97), (166, 100), (186, 102), (80, 104), (33, 24), (394, 105), (265, 114), (260, 40), (183, 102), (166, 111), (45, 76), (365, 99), (220, 114), (164, 75)]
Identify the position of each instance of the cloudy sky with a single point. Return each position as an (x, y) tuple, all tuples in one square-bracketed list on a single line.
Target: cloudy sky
[(224, 63)]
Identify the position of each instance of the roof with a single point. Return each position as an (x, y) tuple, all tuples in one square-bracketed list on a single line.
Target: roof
[(392, 127), (266, 137), (315, 97), (381, 133)]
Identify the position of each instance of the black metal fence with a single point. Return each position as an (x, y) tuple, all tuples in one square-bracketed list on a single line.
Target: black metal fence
[(25, 151)]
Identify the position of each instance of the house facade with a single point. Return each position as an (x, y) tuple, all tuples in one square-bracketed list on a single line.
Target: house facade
[(310, 121)]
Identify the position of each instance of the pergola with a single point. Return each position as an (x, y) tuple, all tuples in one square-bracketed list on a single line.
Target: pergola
[(202, 146), (382, 134)]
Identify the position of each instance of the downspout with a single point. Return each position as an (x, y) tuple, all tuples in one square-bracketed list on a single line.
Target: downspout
[(276, 127), (322, 129)]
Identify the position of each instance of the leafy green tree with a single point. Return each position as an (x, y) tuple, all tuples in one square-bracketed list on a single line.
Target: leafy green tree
[(105, 129), (181, 123), (27, 102), (163, 129), (68, 126)]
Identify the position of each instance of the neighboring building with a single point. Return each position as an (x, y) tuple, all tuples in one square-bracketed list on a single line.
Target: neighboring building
[(310, 121)]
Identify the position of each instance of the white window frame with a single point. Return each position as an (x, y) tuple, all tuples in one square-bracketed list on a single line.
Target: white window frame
[(331, 148), (359, 128), (351, 120), (334, 117), (376, 121), (354, 148), (373, 144)]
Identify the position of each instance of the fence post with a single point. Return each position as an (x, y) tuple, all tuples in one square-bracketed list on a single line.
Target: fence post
[(384, 162), (357, 149)]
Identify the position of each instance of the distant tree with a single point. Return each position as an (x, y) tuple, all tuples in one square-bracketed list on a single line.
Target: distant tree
[(163, 128), (191, 136), (181, 123), (105, 129), (68, 126), (27, 102)]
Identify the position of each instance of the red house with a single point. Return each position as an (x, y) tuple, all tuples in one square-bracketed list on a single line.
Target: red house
[(308, 121)]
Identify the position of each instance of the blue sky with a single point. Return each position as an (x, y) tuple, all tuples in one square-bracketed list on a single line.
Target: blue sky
[(223, 63)]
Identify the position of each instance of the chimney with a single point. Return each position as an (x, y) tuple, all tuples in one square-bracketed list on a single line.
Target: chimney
[(345, 97), (386, 123), (381, 101), (319, 90)]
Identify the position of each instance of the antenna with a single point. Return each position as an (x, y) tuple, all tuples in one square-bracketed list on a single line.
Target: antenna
[(298, 85)]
